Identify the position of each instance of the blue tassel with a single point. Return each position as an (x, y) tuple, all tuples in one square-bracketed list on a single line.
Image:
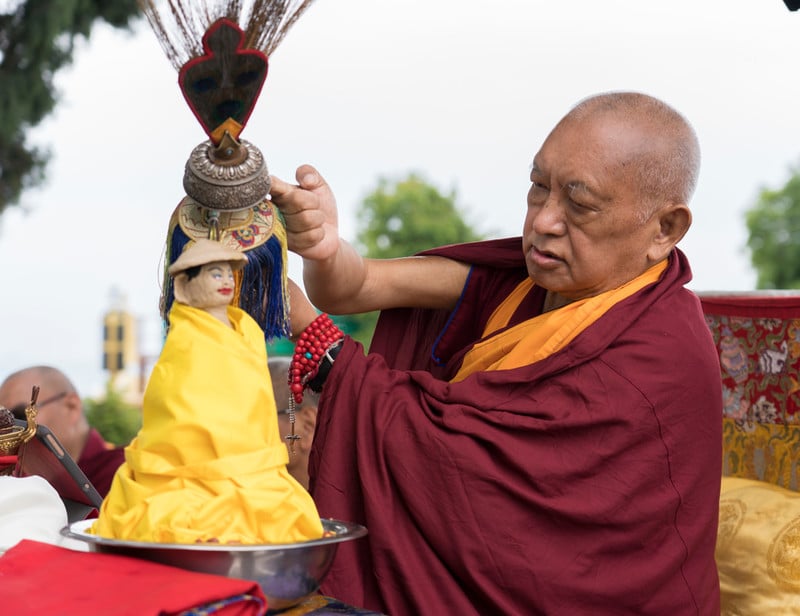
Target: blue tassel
[(176, 242), (263, 292)]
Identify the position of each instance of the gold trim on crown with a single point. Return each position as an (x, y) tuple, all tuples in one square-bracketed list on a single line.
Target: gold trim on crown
[(12, 437)]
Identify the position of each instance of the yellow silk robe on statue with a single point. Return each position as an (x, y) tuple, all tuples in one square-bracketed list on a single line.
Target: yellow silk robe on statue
[(209, 463)]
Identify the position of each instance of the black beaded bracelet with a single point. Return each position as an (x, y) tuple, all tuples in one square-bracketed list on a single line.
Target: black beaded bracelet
[(325, 365)]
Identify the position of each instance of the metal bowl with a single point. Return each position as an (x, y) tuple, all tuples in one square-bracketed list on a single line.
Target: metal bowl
[(288, 573)]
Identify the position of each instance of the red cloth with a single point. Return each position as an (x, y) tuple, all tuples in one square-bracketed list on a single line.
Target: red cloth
[(39, 578), (758, 304), (7, 464), (99, 462), (587, 483)]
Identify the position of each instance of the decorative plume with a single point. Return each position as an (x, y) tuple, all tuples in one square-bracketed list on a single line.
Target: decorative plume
[(221, 52), (181, 24)]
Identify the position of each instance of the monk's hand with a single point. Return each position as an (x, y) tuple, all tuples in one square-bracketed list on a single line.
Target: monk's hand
[(309, 210)]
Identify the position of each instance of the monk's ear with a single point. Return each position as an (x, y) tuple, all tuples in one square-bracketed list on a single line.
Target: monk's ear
[(673, 222)]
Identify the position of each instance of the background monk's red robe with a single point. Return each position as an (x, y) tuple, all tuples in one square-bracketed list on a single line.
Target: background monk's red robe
[(99, 462), (587, 483)]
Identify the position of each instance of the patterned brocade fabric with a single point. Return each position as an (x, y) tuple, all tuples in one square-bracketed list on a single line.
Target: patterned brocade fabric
[(757, 557), (758, 338), (767, 452)]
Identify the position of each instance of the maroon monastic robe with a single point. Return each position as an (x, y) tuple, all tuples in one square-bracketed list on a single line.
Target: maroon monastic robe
[(586, 483)]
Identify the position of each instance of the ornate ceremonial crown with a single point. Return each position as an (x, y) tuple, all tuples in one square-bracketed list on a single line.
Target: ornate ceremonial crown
[(221, 50)]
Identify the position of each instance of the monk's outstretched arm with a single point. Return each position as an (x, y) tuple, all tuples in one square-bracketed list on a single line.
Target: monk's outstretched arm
[(336, 277)]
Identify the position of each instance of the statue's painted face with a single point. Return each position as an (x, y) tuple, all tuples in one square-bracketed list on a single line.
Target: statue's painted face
[(211, 288)]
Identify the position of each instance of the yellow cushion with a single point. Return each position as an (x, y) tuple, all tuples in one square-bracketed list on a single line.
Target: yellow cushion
[(758, 548)]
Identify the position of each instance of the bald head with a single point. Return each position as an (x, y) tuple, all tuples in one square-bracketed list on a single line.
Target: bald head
[(667, 162), (49, 379), (60, 408)]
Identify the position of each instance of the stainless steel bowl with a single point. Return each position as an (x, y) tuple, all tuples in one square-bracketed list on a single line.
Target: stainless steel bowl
[(288, 573)]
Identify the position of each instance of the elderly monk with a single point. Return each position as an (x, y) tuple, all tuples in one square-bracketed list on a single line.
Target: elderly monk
[(61, 410), (537, 428), (208, 464)]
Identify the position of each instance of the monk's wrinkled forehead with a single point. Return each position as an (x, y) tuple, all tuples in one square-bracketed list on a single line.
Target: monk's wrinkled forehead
[(596, 141), (611, 123), (626, 113), (635, 137)]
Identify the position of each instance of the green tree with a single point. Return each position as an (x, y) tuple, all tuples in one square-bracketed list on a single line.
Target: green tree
[(773, 224), (404, 217), (401, 218), (116, 420), (37, 38)]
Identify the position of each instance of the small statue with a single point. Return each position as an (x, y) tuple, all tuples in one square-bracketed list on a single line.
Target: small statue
[(208, 464)]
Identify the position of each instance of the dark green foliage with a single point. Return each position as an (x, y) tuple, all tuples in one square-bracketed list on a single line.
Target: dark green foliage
[(36, 40), (773, 224), (114, 418)]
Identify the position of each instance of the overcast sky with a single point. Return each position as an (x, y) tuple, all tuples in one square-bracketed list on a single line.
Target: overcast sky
[(461, 91)]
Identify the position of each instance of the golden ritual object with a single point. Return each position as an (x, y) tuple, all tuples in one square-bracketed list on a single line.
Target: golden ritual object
[(11, 437)]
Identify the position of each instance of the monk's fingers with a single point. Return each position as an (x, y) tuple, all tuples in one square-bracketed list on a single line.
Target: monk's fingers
[(304, 242), (290, 198), (301, 218), (278, 188), (309, 214), (309, 178), (315, 244)]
